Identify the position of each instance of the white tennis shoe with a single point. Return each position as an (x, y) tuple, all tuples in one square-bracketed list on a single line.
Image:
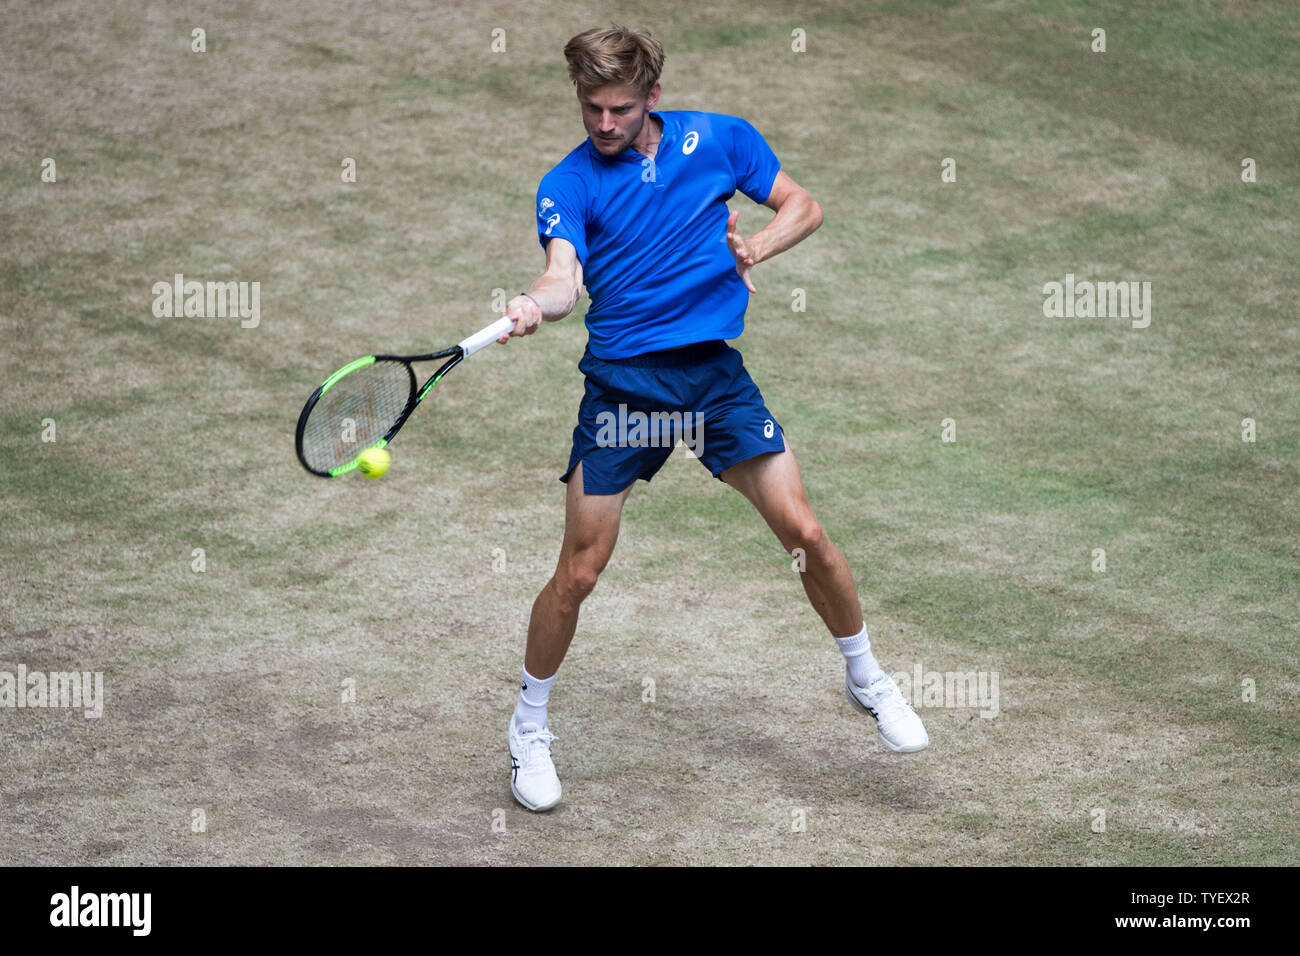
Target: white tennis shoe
[(900, 728), (533, 779)]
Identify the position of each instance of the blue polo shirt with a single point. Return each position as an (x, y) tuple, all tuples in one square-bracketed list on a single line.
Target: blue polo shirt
[(651, 234)]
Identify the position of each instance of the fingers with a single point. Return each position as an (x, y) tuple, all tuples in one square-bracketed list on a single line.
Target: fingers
[(527, 316), (732, 238), (744, 257), (743, 272), (530, 317), (514, 314)]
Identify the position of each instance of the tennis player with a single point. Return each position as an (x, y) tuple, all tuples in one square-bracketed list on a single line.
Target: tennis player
[(638, 213)]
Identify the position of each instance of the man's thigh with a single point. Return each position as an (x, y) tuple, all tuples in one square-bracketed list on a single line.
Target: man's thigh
[(591, 521), (773, 484)]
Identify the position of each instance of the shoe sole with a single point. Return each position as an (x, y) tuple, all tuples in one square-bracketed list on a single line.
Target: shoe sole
[(863, 707), (535, 808)]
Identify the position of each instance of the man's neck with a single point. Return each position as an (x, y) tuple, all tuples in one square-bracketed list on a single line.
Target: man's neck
[(653, 131)]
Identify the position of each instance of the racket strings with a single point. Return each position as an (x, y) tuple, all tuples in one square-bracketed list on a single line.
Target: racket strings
[(354, 413)]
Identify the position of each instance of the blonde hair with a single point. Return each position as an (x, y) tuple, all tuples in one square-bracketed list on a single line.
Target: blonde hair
[(616, 55)]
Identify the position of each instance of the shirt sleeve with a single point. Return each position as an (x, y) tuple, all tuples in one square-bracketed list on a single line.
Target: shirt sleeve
[(561, 211), (753, 161)]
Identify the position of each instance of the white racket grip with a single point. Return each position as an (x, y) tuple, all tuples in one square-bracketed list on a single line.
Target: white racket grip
[(487, 336)]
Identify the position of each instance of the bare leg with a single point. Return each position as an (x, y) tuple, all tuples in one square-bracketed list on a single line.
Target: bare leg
[(590, 531), (773, 485)]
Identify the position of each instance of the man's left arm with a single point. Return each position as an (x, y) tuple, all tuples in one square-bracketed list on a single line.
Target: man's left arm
[(797, 216)]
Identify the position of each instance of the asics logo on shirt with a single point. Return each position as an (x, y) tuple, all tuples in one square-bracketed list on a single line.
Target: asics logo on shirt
[(554, 220), (692, 140)]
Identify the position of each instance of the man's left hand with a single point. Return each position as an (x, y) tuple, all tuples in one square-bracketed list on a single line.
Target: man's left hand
[(742, 249)]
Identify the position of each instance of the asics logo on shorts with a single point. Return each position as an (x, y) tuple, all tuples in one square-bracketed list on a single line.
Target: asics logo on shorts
[(769, 428)]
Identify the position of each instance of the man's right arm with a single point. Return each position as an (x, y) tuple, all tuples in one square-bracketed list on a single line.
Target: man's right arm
[(553, 295)]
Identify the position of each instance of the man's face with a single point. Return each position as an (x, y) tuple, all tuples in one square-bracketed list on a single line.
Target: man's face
[(614, 115)]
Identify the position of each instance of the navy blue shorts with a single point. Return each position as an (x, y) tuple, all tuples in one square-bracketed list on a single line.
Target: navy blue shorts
[(636, 409)]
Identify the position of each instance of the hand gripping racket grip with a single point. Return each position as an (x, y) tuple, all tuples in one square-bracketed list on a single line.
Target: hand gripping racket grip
[(487, 336)]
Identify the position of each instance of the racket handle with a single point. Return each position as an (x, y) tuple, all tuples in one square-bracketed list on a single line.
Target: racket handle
[(487, 336)]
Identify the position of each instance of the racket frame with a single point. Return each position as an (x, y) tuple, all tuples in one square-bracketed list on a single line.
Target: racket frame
[(454, 355)]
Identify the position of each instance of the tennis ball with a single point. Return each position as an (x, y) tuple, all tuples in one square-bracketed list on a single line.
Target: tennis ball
[(373, 462)]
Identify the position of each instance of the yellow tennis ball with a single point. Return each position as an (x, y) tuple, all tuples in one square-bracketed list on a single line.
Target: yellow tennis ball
[(373, 462)]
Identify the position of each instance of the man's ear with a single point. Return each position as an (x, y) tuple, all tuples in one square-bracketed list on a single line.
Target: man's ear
[(653, 98)]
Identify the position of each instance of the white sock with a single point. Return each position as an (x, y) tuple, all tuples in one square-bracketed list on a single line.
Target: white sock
[(863, 667), (533, 696)]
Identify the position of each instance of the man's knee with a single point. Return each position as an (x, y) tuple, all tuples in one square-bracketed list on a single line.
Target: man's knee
[(576, 578), (807, 534)]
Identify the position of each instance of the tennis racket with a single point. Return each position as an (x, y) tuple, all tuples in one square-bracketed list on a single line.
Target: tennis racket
[(366, 402)]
